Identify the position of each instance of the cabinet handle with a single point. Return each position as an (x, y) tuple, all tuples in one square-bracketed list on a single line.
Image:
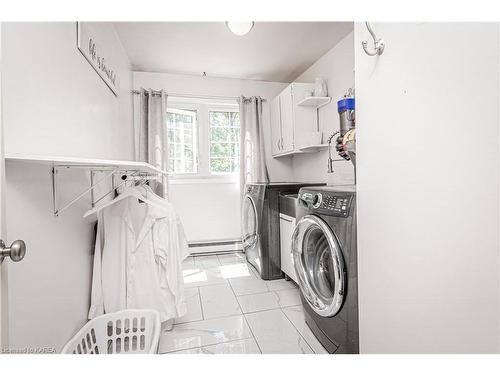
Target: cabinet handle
[(278, 144)]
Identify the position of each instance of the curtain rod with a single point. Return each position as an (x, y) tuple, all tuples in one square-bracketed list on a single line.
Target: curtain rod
[(157, 92)]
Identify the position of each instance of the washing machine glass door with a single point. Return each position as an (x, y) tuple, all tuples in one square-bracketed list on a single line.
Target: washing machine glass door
[(250, 223), (319, 265)]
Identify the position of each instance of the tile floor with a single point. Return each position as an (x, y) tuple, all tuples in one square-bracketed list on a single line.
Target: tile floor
[(231, 310)]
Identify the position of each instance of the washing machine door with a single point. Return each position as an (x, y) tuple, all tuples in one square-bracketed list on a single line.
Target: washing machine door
[(250, 223), (319, 265)]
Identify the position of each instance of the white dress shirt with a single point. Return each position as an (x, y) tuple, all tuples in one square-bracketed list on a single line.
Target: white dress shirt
[(138, 259)]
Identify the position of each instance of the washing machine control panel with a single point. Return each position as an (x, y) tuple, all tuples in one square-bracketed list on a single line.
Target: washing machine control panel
[(339, 205), (329, 203)]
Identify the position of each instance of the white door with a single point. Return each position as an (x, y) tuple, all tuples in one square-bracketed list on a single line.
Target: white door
[(17, 249), (428, 221), (3, 283), (274, 107), (287, 124)]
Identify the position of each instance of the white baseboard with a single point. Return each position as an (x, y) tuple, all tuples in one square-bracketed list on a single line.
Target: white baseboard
[(215, 247)]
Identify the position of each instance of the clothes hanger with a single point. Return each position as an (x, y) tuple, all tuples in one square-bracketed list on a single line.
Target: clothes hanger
[(139, 185), (129, 192), (154, 196), (148, 192)]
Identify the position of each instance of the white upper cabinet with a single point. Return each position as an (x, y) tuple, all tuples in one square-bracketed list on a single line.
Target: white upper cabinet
[(291, 125), (287, 120), (304, 118), (274, 107)]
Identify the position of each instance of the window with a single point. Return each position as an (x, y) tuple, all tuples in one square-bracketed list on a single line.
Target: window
[(203, 139), (181, 133), (224, 141)]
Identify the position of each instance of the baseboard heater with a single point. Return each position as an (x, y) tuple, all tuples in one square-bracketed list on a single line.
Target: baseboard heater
[(215, 247)]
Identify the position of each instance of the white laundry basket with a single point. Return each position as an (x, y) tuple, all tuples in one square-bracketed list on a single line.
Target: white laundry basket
[(122, 332)]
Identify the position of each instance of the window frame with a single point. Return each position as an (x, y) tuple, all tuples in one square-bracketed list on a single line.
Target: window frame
[(215, 108), (203, 109), (196, 137)]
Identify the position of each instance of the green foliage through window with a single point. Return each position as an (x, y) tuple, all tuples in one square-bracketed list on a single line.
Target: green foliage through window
[(181, 133), (224, 141)]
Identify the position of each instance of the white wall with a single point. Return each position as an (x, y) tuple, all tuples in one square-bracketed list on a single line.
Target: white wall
[(211, 211), (54, 103), (337, 66), (428, 185)]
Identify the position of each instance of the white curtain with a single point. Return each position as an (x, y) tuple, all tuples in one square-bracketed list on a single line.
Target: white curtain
[(252, 158), (152, 145)]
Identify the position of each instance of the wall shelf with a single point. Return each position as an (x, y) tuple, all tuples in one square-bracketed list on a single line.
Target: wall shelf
[(288, 153), (313, 148), (132, 169), (315, 101), (91, 164), (303, 150)]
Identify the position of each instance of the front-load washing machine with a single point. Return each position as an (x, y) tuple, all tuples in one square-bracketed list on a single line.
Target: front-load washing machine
[(261, 225), (325, 260)]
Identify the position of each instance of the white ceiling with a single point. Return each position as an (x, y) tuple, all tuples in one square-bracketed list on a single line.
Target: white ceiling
[(272, 51)]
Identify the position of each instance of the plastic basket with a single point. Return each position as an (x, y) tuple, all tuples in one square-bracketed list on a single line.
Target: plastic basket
[(122, 332)]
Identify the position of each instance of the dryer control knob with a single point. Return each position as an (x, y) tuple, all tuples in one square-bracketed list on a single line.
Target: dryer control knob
[(317, 200)]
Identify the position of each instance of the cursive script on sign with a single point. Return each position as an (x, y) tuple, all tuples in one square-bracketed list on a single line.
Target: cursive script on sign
[(101, 62), (97, 44)]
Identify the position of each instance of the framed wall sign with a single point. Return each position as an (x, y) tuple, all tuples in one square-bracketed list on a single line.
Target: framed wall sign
[(97, 46)]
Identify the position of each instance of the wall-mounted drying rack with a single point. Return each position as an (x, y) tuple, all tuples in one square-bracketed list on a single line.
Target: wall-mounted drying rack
[(127, 170)]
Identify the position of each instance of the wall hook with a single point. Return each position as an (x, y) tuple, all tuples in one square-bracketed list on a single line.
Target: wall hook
[(378, 44)]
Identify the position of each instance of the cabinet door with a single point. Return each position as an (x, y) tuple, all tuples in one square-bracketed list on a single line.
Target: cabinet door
[(304, 118), (274, 107), (287, 120), (287, 225)]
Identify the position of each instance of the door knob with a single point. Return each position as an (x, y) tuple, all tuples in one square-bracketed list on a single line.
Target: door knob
[(16, 251)]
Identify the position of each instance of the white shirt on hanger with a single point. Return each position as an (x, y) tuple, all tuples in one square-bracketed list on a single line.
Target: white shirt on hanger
[(138, 259)]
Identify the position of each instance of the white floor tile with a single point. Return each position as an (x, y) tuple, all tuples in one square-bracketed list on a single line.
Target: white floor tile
[(218, 301), (275, 334), (206, 260), (203, 333), (258, 302), (289, 297), (242, 286), (296, 315), (202, 276), (236, 271), (188, 263), (232, 258), (280, 284), (247, 346), (193, 306)]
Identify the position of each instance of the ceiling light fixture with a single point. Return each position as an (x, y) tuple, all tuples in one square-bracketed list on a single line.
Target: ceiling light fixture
[(240, 28)]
